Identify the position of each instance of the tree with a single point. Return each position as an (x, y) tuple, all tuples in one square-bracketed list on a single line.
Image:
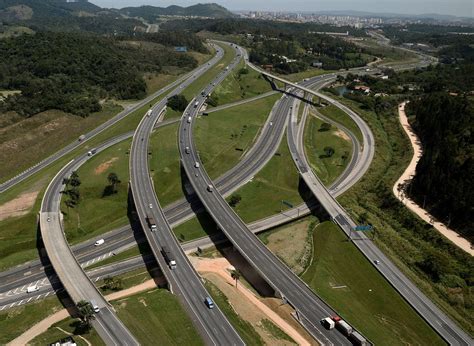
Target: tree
[(329, 151), (114, 284), (236, 274), (234, 200), (113, 180), (325, 127), (74, 180), (177, 103), (86, 312)]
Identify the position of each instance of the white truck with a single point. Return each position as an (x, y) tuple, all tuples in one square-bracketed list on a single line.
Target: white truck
[(328, 323), (99, 242), (168, 257), (32, 289), (151, 223)]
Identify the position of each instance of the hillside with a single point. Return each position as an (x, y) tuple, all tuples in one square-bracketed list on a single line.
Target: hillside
[(200, 10), (34, 9)]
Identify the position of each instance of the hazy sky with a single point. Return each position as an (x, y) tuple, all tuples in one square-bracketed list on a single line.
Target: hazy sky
[(455, 7)]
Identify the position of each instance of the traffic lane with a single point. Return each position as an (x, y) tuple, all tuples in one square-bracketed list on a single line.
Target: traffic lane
[(238, 237)]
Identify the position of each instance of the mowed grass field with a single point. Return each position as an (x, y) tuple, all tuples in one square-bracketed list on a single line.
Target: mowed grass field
[(165, 165), (223, 137), (156, 317), (277, 181), (15, 321), (242, 83), (344, 278), (315, 140), (341, 117), (96, 212)]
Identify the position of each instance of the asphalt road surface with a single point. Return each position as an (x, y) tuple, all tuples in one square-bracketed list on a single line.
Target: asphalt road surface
[(183, 280)]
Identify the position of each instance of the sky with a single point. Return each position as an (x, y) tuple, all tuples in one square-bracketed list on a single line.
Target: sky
[(462, 8)]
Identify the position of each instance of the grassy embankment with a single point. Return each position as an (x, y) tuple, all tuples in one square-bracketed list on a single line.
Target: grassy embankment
[(344, 278)]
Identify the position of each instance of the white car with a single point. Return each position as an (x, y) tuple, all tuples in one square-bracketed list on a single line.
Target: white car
[(32, 289), (196, 165), (150, 205)]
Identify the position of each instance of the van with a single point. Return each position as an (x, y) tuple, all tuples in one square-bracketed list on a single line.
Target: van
[(209, 303), (210, 188), (95, 306), (196, 165), (32, 289), (99, 242), (189, 120)]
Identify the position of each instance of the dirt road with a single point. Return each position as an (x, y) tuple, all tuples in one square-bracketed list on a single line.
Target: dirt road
[(408, 175)]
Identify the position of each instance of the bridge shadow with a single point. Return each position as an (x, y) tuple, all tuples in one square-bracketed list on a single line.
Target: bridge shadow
[(144, 248), (53, 279)]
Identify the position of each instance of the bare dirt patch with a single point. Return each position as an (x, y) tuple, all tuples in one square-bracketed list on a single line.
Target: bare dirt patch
[(342, 135), (105, 166), (18, 206), (245, 302), (289, 244)]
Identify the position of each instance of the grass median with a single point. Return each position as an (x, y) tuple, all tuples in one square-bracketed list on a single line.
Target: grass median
[(223, 137), (328, 150)]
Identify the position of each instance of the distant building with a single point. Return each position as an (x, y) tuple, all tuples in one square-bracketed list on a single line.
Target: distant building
[(317, 64), (181, 49), (365, 89)]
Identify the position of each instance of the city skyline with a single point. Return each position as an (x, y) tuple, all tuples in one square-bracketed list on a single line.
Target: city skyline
[(461, 8)]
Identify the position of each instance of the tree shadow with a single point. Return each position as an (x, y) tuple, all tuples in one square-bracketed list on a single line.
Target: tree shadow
[(108, 191)]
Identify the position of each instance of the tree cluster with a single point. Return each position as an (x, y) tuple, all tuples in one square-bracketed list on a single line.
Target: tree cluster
[(72, 72), (177, 103), (443, 180), (72, 190)]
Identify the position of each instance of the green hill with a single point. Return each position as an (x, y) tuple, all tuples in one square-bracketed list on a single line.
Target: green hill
[(199, 10)]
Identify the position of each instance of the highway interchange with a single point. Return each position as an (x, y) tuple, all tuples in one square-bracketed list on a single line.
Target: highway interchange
[(260, 153)]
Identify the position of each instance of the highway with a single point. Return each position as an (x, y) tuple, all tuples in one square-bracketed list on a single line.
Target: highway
[(183, 280), (77, 284), (13, 282), (309, 307), (438, 320)]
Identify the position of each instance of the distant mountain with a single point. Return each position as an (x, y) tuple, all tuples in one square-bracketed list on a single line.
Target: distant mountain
[(36, 9), (199, 10)]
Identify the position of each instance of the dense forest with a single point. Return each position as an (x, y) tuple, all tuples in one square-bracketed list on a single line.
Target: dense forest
[(443, 180), (72, 72), (271, 41), (435, 35)]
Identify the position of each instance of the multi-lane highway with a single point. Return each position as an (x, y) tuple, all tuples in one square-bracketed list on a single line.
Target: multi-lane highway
[(183, 280), (310, 308), (422, 304), (77, 284)]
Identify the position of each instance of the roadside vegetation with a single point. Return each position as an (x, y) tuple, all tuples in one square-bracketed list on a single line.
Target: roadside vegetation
[(246, 331), (328, 149)]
